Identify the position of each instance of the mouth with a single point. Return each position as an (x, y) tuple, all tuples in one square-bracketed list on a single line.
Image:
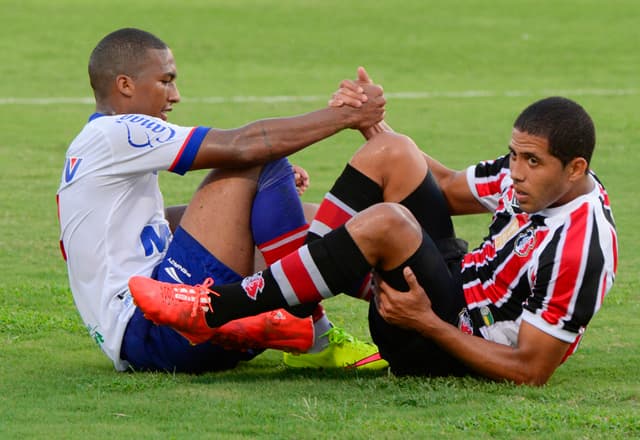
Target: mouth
[(521, 196), (163, 114)]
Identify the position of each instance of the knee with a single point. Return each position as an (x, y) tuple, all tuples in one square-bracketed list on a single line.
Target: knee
[(386, 222), (275, 171), (390, 148), (391, 157)]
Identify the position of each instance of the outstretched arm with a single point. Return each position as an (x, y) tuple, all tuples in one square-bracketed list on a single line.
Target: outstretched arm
[(270, 139), (532, 361)]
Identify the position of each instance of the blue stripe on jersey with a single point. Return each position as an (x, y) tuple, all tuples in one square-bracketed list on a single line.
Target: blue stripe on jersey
[(189, 150), (95, 116)]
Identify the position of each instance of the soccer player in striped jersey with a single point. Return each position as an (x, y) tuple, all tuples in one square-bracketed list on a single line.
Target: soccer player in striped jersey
[(114, 224), (512, 309)]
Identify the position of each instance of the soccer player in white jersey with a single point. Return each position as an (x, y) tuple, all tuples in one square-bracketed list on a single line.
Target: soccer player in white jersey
[(512, 309), (114, 224)]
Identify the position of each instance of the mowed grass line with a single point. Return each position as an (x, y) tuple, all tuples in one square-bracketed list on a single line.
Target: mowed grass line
[(55, 383)]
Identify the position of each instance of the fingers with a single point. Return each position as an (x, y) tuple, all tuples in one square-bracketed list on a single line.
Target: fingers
[(352, 93), (410, 278), (301, 179), (363, 76), (349, 84), (349, 93)]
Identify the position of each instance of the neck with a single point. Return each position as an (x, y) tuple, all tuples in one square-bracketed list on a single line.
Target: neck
[(580, 188), (105, 109)]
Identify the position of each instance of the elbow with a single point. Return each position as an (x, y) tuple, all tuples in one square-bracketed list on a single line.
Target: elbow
[(532, 377), (536, 381), (241, 152), (230, 149)]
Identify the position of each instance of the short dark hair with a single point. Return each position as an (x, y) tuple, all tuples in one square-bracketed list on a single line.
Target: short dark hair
[(564, 123), (120, 52)]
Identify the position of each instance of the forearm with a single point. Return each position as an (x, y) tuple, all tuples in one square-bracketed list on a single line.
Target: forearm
[(455, 188), (489, 359), (532, 361), (440, 172), (269, 139)]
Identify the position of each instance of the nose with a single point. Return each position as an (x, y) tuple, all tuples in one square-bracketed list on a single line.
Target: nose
[(515, 166), (174, 94)]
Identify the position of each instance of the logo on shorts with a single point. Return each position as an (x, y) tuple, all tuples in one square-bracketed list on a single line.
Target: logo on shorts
[(173, 275), (464, 322), (253, 285)]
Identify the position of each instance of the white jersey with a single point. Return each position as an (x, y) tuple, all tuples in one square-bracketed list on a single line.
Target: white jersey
[(111, 214)]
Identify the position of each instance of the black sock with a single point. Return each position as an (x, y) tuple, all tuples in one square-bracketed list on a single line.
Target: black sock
[(429, 207), (432, 272), (353, 188), (336, 258)]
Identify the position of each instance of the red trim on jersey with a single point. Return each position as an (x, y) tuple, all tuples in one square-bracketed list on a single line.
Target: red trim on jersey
[(490, 186), (294, 268), (64, 253), (603, 283), (614, 245), (184, 145), (605, 197), (571, 262)]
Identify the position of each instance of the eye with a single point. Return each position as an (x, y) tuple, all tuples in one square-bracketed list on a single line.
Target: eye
[(532, 161)]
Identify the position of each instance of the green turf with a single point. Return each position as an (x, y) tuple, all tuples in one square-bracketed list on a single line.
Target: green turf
[(456, 73)]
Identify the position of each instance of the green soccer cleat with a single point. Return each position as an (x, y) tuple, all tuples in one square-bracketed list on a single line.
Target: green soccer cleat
[(343, 351)]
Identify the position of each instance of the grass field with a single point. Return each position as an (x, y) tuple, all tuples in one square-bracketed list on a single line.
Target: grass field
[(456, 74)]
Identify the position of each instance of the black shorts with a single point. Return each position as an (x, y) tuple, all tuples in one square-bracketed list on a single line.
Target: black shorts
[(407, 352)]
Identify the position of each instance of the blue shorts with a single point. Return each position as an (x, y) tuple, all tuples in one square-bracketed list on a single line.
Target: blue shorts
[(149, 347)]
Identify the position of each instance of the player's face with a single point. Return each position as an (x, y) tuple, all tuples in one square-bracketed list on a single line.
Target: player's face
[(155, 90), (540, 179)]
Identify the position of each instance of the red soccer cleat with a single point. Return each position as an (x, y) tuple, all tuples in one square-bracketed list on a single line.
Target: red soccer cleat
[(277, 329), (179, 306)]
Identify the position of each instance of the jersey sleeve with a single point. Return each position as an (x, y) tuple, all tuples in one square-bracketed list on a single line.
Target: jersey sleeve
[(141, 144), (487, 180), (187, 153)]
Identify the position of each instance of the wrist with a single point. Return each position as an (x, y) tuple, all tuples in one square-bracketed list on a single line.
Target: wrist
[(431, 325), (345, 116)]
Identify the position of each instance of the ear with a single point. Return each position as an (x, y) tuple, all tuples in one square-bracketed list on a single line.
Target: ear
[(125, 85), (577, 168)]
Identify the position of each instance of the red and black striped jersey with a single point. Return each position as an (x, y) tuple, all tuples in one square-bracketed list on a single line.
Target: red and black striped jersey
[(551, 268)]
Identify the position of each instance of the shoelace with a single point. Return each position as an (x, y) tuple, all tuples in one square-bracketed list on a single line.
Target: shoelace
[(203, 289), (337, 335)]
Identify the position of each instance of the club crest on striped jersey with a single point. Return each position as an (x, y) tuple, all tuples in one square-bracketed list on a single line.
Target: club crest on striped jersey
[(524, 243), (252, 285)]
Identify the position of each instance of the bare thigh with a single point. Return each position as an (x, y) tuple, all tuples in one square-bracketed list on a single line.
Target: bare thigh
[(219, 213)]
